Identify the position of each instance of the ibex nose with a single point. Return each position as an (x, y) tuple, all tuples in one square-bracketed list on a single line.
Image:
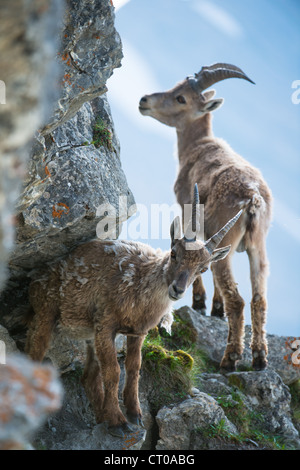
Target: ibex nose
[(178, 290), (175, 292), (143, 100)]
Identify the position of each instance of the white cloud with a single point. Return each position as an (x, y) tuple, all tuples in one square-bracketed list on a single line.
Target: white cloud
[(119, 3), (287, 219), (129, 83), (218, 17)]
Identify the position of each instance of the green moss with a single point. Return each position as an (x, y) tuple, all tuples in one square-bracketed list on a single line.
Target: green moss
[(236, 381), (248, 423), (102, 136), (172, 363)]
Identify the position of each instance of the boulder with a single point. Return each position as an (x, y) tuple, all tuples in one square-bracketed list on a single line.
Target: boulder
[(178, 424), (212, 335)]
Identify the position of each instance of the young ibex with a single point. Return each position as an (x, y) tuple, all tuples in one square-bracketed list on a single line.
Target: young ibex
[(226, 182), (107, 287)]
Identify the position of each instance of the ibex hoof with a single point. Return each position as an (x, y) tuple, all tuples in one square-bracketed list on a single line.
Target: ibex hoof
[(259, 360), (119, 431), (218, 310), (199, 304), (228, 363), (135, 419)]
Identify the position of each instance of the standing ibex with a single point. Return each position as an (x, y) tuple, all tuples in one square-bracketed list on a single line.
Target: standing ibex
[(107, 287), (226, 183)]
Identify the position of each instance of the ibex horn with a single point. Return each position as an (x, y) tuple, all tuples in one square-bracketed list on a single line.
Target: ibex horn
[(195, 216), (211, 74), (216, 239)]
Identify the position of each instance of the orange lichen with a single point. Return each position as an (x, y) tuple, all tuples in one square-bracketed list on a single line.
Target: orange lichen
[(130, 440), (58, 212), (65, 56), (292, 358), (67, 79)]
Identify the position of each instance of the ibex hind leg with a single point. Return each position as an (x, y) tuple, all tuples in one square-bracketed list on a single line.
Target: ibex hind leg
[(92, 382), (259, 271), (40, 332), (110, 370)]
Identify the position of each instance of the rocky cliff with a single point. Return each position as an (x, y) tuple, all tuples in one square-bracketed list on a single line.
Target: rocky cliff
[(187, 403), (63, 135)]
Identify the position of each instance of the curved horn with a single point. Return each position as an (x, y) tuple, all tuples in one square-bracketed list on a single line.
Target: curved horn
[(216, 239), (195, 216), (211, 74)]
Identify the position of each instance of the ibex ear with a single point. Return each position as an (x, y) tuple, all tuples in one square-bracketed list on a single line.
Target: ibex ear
[(208, 95), (213, 104), (175, 230), (220, 253)]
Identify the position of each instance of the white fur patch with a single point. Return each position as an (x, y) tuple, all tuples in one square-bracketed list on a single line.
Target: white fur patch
[(166, 321)]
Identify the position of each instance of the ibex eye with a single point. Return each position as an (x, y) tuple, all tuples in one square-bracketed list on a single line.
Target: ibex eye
[(181, 99), (203, 270), (173, 255)]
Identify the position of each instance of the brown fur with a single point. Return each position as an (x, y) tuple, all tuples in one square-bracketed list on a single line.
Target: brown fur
[(226, 183), (108, 287)]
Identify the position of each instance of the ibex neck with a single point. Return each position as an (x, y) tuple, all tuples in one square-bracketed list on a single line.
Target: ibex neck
[(195, 130)]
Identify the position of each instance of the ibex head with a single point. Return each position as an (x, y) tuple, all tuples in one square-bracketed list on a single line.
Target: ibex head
[(186, 101), (189, 256)]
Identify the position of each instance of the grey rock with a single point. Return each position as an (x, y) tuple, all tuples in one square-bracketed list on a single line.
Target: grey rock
[(67, 184), (91, 48), (212, 335), (177, 425), (28, 44), (70, 179), (266, 393)]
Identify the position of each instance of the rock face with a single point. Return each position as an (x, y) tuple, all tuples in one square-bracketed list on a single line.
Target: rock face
[(60, 167), (29, 73), (74, 170), (214, 415), (69, 179)]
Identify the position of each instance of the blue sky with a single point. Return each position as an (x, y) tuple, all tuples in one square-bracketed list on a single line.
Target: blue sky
[(166, 40)]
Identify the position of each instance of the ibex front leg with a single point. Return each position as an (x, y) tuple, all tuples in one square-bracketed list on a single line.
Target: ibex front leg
[(110, 369), (131, 389)]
